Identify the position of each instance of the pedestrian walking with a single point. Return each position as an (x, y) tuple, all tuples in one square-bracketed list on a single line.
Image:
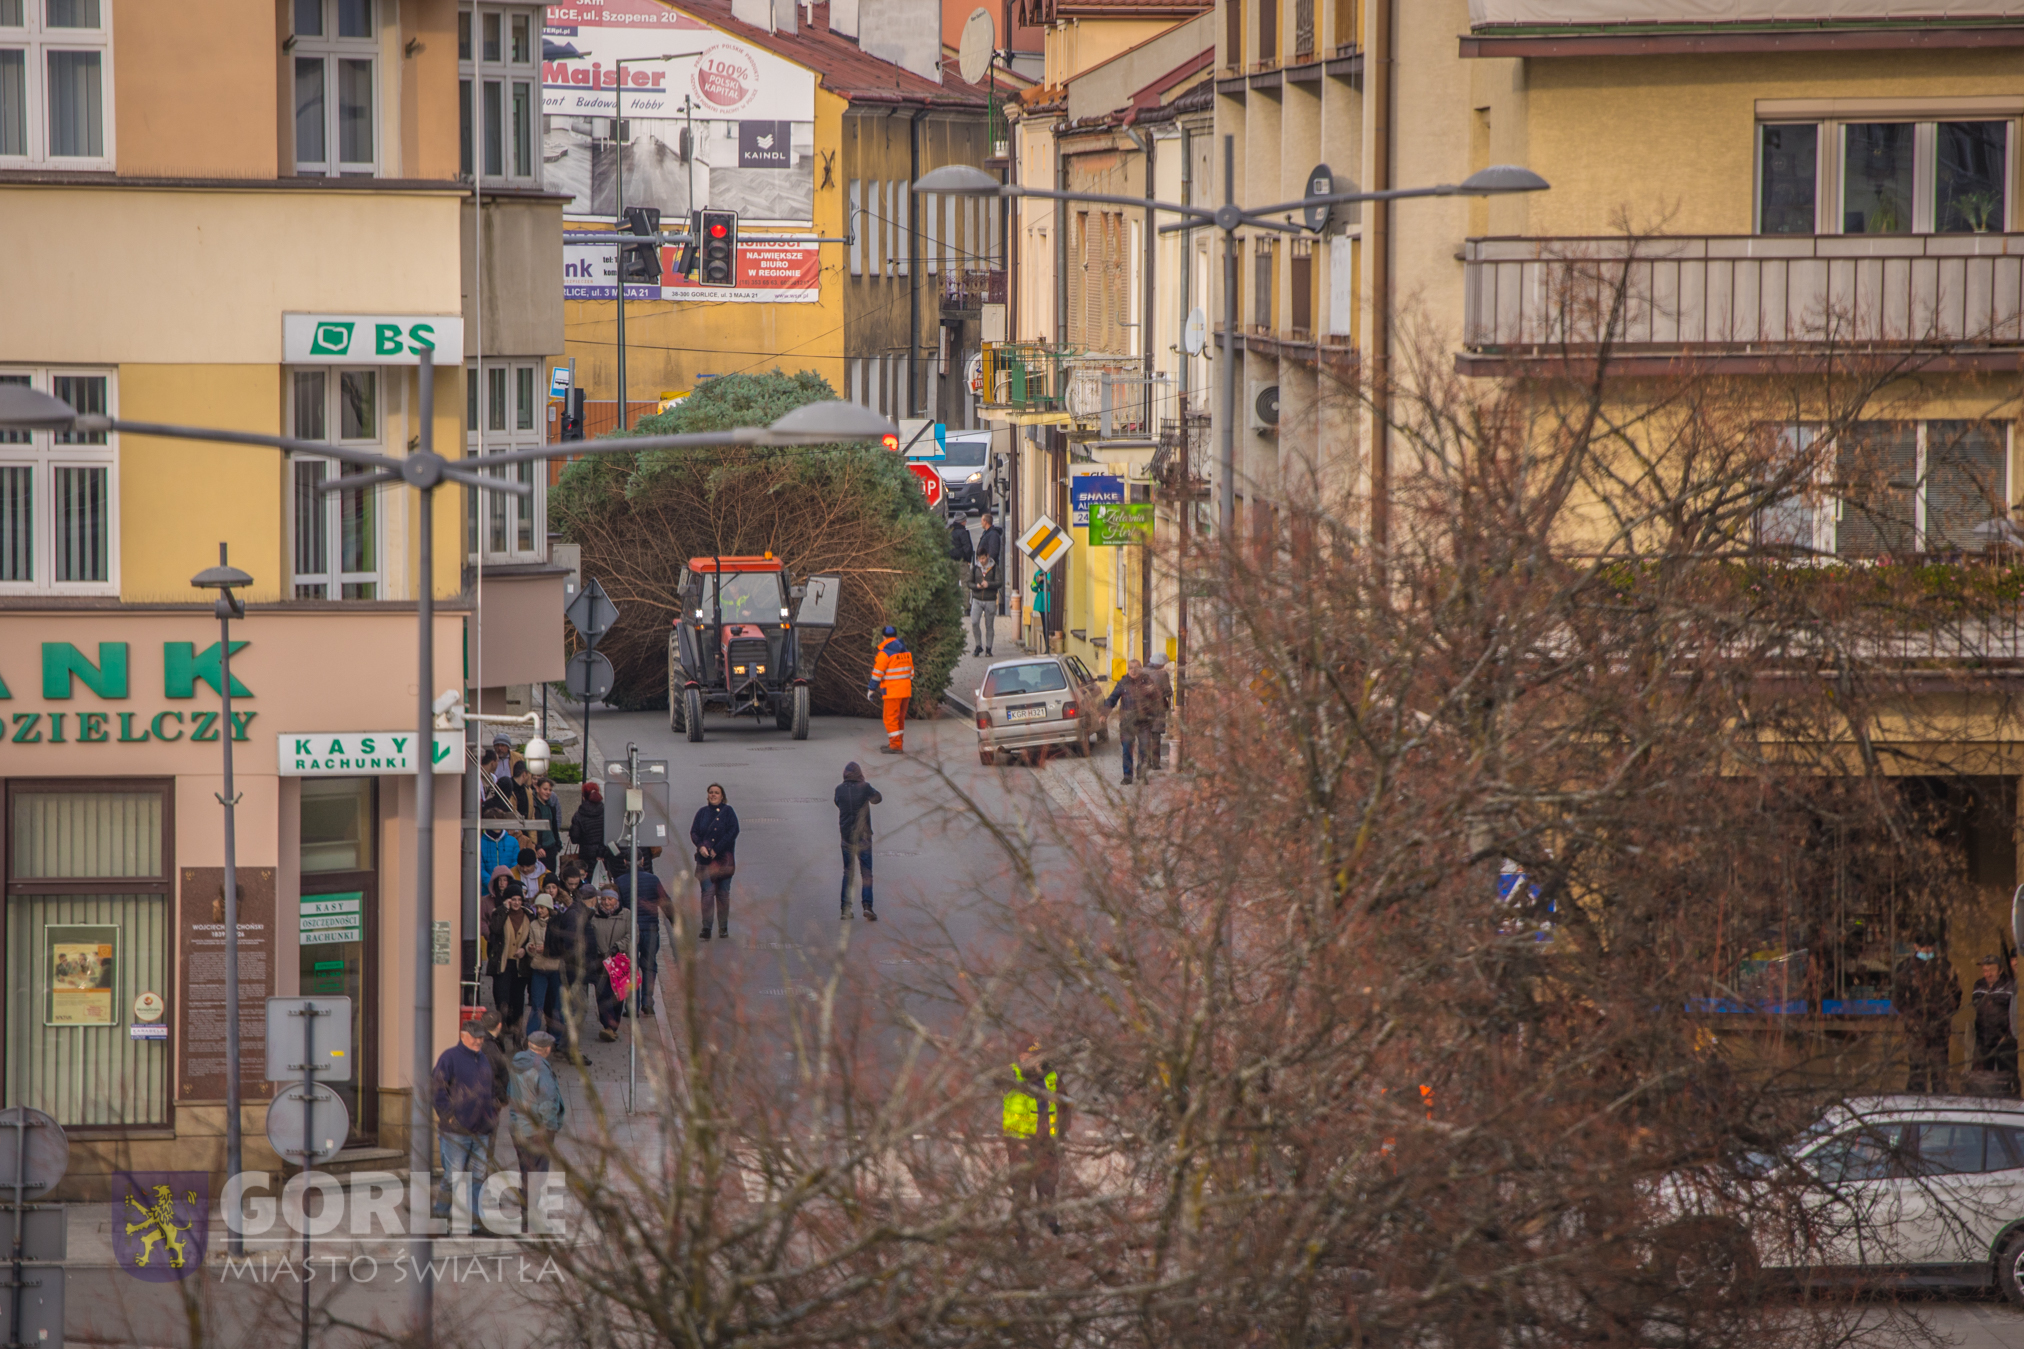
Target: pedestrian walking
[(654, 903), (960, 548), (714, 832), (466, 1115), (498, 847), (544, 973), (1139, 697), (1926, 995), (991, 542), (571, 942), (506, 960), (984, 587), (536, 1110), (1163, 680), (492, 1044), (1995, 1041), (548, 829), (586, 831), (892, 676), (611, 933), (1035, 1120), (854, 799)]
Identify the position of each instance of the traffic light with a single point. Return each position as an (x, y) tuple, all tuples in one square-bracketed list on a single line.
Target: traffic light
[(640, 264), (719, 249), (891, 442), (572, 417)]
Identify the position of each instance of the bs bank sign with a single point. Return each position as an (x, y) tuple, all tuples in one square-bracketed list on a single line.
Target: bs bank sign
[(371, 339)]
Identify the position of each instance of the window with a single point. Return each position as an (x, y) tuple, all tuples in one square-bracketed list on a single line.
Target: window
[(336, 56), (1873, 1153), (1887, 489), (58, 529), (499, 91), (88, 876), (336, 534), (1788, 174), (1883, 177), (55, 81), (507, 410), (339, 914)]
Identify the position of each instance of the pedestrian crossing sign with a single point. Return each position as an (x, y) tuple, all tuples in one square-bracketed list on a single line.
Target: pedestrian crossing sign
[(1046, 543)]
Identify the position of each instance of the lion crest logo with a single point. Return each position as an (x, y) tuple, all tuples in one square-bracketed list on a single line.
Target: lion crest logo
[(160, 1222)]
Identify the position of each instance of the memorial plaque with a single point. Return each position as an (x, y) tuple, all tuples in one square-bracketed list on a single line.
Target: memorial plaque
[(200, 1012)]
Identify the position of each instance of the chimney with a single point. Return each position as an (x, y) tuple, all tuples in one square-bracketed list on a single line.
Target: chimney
[(843, 17), (785, 16), (758, 13)]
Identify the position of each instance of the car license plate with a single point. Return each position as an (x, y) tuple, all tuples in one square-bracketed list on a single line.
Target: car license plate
[(1030, 712)]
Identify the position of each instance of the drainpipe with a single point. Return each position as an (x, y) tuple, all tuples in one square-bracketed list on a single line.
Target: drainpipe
[(914, 260), (1381, 69)]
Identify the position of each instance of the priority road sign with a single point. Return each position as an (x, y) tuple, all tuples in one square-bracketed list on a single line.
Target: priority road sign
[(1046, 543), (931, 481), (592, 613)]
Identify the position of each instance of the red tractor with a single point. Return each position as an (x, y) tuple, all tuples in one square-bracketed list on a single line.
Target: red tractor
[(742, 645)]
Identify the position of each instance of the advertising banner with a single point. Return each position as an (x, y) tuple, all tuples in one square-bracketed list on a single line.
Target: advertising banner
[(785, 271), (1087, 489), (723, 124)]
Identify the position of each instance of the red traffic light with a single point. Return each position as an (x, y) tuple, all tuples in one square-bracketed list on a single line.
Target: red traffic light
[(891, 442), (717, 231)]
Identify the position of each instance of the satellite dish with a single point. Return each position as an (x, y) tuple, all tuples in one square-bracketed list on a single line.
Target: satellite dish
[(1195, 333), (980, 37)]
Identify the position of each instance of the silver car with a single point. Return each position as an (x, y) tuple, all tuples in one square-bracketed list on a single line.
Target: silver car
[(1036, 702)]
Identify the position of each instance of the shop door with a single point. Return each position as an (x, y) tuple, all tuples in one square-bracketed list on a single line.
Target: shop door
[(339, 927)]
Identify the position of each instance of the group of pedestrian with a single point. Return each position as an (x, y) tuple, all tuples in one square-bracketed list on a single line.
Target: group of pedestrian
[(552, 960), (983, 566), (1926, 996), (477, 1080), (1145, 697)]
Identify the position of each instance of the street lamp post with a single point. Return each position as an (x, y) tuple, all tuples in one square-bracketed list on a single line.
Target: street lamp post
[(225, 580), (424, 470), (964, 180)]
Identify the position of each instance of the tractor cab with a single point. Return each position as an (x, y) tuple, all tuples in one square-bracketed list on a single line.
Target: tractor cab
[(739, 644)]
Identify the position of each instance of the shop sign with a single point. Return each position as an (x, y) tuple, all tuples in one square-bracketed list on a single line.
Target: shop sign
[(107, 674), (323, 754), (1086, 489), (370, 339), (1113, 524), (332, 918)]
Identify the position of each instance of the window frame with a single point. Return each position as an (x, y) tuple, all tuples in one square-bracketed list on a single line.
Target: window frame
[(331, 49), (333, 577), (525, 399), (45, 454), (1831, 157), (475, 74), (36, 40), (1827, 502)]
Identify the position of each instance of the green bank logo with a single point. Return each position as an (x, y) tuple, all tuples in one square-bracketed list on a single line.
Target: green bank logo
[(331, 339)]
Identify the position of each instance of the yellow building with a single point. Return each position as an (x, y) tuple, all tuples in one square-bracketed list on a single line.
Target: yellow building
[(300, 226), (842, 268)]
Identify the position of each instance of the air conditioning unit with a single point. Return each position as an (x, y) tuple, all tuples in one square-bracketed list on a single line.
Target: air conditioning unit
[(1264, 405)]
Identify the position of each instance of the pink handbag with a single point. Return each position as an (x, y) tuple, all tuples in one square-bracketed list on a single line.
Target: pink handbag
[(618, 968)]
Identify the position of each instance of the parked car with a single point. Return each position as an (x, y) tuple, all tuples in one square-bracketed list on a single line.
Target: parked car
[(966, 472), (1036, 702), (1919, 1190)]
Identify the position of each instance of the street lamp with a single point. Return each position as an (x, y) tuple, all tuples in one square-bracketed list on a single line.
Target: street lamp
[(226, 580), (23, 408), (966, 180)]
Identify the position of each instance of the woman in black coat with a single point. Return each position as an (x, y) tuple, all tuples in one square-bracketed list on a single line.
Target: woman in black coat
[(715, 834), (586, 831)]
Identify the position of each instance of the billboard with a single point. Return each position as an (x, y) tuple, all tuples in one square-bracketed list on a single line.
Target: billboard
[(770, 271), (723, 125)]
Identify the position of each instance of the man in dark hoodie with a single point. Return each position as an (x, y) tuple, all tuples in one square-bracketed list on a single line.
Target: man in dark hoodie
[(467, 1111), (854, 799)]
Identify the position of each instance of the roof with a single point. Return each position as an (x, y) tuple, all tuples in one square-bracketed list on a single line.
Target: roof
[(840, 65), (731, 564), (1054, 11)]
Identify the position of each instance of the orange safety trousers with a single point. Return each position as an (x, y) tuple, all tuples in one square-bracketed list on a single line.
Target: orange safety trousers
[(896, 722)]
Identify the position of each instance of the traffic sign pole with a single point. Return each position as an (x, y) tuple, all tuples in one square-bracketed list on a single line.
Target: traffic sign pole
[(593, 615)]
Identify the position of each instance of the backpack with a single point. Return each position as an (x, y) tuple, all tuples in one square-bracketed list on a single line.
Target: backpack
[(555, 945)]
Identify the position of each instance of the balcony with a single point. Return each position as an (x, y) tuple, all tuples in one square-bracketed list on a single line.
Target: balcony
[(1025, 381), (966, 292), (1749, 304)]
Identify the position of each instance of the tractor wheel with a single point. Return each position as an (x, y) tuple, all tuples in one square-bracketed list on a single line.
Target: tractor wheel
[(692, 714), (675, 701), (783, 712), (801, 711)]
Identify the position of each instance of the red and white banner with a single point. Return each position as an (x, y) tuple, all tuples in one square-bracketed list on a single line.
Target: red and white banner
[(784, 271)]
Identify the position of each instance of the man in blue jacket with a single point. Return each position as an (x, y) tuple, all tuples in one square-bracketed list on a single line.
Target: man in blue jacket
[(537, 1111), (466, 1114)]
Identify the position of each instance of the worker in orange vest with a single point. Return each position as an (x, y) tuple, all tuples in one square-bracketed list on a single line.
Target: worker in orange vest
[(892, 677)]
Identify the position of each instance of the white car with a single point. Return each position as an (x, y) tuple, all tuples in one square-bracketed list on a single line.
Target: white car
[(1913, 1190)]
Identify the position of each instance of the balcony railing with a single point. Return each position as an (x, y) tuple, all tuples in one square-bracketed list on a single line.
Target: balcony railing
[(971, 289), (1744, 293), (1023, 377)]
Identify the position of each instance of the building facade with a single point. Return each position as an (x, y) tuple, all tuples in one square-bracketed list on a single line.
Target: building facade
[(298, 174)]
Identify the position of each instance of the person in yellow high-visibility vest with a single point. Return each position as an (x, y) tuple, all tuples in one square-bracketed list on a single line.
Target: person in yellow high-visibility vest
[(892, 677), (1035, 1121)]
